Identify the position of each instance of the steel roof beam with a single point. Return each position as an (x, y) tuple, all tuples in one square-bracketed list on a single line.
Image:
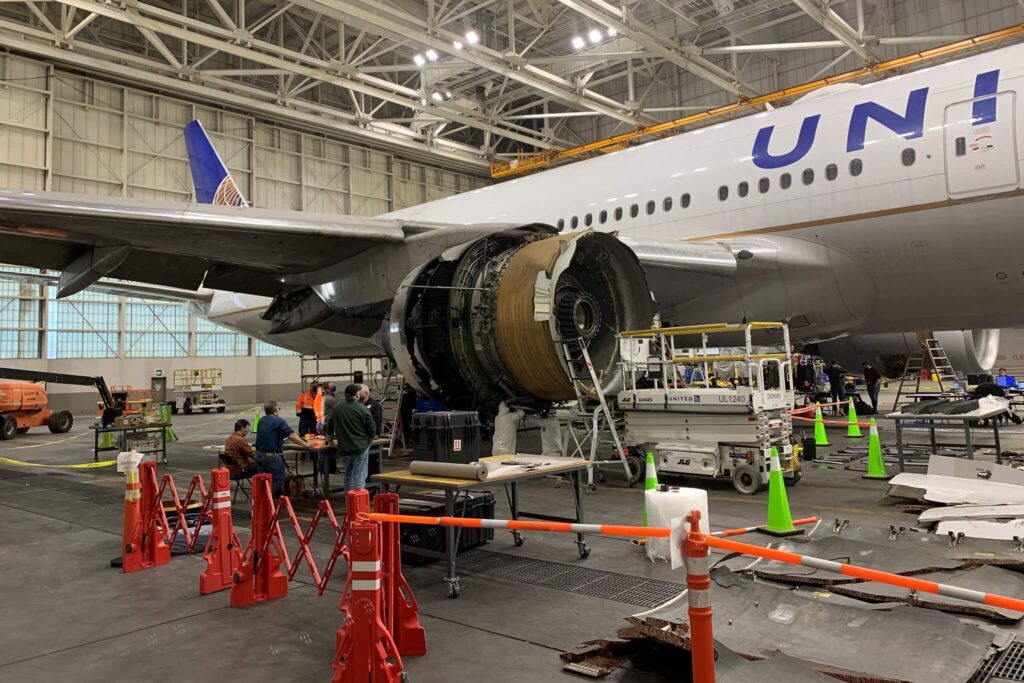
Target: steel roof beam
[(837, 26)]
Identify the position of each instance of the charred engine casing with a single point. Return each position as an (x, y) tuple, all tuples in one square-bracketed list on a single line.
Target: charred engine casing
[(484, 321), (969, 351)]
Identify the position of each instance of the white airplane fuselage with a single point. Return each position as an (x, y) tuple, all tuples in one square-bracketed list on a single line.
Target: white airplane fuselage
[(915, 181)]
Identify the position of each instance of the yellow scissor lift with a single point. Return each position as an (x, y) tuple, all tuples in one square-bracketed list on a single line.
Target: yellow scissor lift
[(198, 390), (710, 411)]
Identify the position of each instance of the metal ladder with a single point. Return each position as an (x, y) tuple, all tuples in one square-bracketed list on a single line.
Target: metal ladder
[(392, 394), (938, 361), (581, 369)]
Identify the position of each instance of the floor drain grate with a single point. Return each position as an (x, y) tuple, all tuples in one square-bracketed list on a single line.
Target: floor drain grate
[(632, 590), (1010, 666)]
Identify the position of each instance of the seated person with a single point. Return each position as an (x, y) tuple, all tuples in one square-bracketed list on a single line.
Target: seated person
[(240, 455)]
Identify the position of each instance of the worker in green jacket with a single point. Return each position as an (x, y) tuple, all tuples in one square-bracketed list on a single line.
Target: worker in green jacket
[(354, 430)]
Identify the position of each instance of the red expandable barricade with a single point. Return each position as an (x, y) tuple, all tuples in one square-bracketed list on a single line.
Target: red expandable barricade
[(223, 553), (401, 611), (365, 650), (259, 577), (143, 545)]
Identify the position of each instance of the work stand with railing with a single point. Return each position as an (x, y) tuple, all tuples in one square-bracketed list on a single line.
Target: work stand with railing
[(710, 411)]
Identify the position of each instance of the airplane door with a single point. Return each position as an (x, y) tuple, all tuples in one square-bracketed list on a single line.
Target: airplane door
[(981, 159)]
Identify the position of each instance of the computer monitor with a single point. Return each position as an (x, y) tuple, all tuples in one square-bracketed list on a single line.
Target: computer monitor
[(1007, 381), (1020, 386)]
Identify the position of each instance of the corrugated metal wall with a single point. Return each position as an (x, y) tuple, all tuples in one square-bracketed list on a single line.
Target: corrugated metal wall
[(68, 133)]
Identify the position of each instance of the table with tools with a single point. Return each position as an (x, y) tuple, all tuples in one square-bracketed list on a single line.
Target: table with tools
[(127, 435), (505, 470)]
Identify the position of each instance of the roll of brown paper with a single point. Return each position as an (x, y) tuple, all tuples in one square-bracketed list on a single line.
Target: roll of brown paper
[(451, 470)]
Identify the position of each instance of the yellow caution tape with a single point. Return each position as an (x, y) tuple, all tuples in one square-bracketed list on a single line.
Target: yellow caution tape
[(76, 466)]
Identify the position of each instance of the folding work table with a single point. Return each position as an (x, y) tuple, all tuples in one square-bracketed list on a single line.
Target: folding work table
[(453, 488), (968, 421)]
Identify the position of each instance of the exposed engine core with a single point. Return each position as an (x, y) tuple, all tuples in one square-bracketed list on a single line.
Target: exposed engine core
[(484, 322)]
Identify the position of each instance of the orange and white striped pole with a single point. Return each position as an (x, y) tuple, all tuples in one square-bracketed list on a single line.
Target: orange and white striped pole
[(908, 582), (554, 527), (698, 594)]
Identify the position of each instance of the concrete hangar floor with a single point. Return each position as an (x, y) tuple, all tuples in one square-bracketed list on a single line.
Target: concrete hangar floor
[(67, 615)]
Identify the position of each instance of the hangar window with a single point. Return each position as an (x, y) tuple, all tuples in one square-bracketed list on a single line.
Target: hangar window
[(634, 211), (723, 193), (561, 223), (808, 176), (667, 204), (831, 172), (763, 185), (684, 201), (908, 157), (785, 180), (602, 217), (618, 213), (588, 219), (856, 166), (650, 207), (743, 188), (574, 223)]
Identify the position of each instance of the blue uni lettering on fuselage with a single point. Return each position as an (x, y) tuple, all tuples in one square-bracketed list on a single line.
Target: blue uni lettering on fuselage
[(908, 125)]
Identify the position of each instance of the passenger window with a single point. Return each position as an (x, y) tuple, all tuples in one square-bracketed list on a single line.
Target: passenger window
[(743, 188), (602, 217), (650, 207), (561, 223), (856, 166), (667, 204), (961, 146), (723, 193), (909, 156), (831, 172), (763, 185), (785, 180), (808, 176), (684, 201), (634, 211), (574, 223), (588, 219), (618, 213)]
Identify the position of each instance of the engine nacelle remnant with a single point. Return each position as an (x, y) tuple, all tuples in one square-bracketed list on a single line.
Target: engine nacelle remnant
[(485, 321)]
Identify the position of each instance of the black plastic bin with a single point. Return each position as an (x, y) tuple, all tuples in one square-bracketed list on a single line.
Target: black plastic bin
[(447, 436), (480, 505)]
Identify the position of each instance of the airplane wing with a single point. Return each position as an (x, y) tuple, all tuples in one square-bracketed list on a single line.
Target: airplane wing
[(116, 287), (179, 245)]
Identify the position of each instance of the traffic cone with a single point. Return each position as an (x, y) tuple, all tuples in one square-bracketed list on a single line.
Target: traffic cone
[(255, 420), (852, 428), (820, 438), (780, 521), (106, 440), (650, 480), (165, 416), (876, 461)]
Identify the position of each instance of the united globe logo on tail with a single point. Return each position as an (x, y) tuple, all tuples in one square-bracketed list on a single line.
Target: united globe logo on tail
[(228, 194)]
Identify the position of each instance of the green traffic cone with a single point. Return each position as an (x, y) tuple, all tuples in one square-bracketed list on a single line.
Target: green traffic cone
[(650, 480), (165, 416), (107, 440), (852, 428), (820, 438), (255, 420), (780, 521), (876, 461)]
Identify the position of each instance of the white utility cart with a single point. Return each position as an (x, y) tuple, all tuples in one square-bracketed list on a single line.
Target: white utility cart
[(708, 411), (198, 390)]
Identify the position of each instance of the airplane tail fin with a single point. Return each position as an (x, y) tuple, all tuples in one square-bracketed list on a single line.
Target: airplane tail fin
[(213, 182)]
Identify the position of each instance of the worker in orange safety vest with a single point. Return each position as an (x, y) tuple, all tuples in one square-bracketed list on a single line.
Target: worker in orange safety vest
[(305, 409)]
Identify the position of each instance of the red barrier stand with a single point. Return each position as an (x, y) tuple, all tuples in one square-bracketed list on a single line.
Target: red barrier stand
[(259, 577), (365, 649), (222, 553), (143, 544), (401, 611)]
